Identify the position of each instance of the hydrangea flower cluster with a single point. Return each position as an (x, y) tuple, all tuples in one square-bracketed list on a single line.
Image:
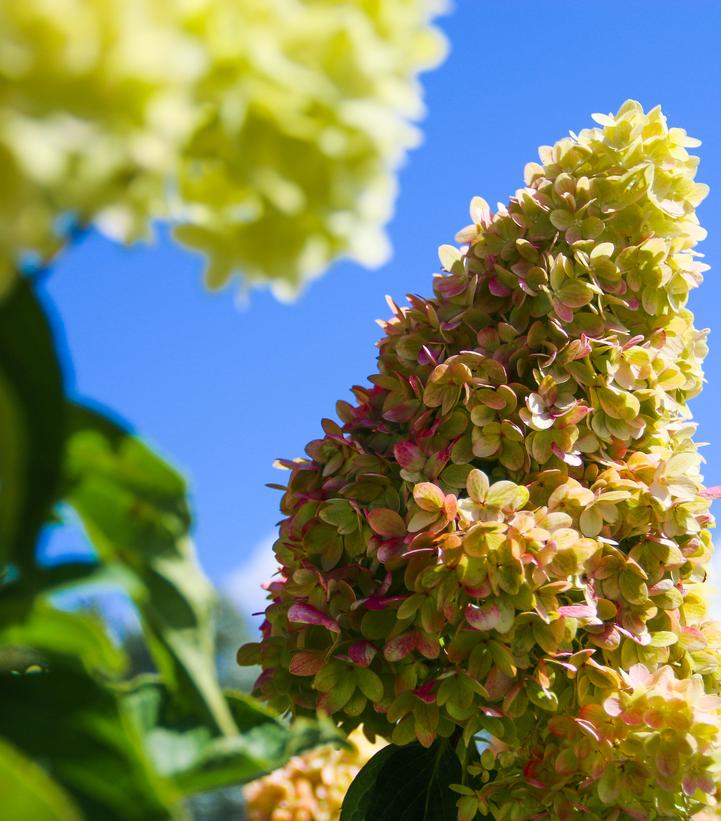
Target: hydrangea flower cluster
[(506, 536), (244, 121), (310, 787)]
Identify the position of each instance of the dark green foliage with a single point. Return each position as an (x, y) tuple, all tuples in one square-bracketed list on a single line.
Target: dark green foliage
[(31, 423), (75, 741), (409, 783), (195, 759), (83, 735), (134, 509)]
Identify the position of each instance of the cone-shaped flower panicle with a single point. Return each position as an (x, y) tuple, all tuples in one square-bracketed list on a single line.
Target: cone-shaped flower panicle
[(507, 533)]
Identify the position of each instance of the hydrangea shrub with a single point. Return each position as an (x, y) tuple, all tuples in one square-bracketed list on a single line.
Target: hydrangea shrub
[(270, 130), (310, 787), (504, 540)]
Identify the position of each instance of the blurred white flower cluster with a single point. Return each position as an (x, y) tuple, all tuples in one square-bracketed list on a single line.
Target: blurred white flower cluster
[(268, 131)]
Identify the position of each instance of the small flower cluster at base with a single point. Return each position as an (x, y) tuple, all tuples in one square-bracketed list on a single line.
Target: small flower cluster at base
[(511, 517), (310, 787)]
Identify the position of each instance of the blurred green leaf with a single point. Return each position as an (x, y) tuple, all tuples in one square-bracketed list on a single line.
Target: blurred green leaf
[(134, 508), (28, 792), (31, 423), (49, 633), (80, 732), (199, 760), (409, 783)]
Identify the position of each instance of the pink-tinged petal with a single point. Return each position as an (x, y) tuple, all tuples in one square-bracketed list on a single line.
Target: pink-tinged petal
[(264, 678), (565, 664), (497, 684), (526, 288), (450, 286), (634, 340), (632, 717), (480, 592), (609, 638), (577, 611), (381, 602), (428, 646), (572, 459), (450, 507), (588, 728), (497, 288), (712, 492), (385, 584), (425, 357), (612, 706), (425, 692), (401, 646), (698, 781), (575, 415), (409, 455), (644, 639), (362, 653), (420, 425), (586, 347), (667, 764), (302, 613), (482, 618), (402, 412), (319, 576), (654, 718), (415, 385), (307, 663), (386, 522), (452, 324), (487, 338), (393, 306), (694, 639), (563, 312), (529, 773), (390, 549)]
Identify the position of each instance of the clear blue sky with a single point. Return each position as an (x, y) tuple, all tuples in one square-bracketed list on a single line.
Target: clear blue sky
[(223, 391)]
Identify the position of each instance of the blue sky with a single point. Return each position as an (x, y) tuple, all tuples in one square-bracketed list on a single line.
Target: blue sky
[(223, 391)]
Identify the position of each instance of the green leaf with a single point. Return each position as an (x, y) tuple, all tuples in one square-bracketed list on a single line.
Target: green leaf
[(134, 509), (85, 740), (59, 577), (197, 760), (28, 792), (408, 783), (31, 423), (48, 632)]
